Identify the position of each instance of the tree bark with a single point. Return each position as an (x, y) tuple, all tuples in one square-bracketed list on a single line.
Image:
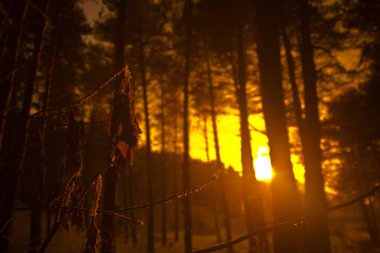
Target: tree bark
[(317, 230), (110, 177), (285, 198), (188, 9), (163, 166), (150, 211), (213, 192), (224, 202), (13, 43), (15, 138), (175, 183)]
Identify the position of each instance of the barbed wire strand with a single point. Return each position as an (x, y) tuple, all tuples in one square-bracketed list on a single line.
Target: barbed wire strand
[(179, 195), (293, 222), (84, 98), (75, 208)]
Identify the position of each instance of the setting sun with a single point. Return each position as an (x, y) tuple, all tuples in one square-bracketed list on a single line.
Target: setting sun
[(263, 168)]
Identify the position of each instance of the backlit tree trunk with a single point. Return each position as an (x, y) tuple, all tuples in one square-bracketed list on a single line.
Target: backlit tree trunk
[(285, 198), (186, 173), (150, 211), (226, 212), (163, 166), (315, 200), (110, 177), (213, 192)]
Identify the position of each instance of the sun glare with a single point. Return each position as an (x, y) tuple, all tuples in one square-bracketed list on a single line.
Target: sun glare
[(263, 168)]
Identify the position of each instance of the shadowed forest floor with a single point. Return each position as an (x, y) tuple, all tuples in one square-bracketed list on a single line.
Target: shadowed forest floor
[(347, 237)]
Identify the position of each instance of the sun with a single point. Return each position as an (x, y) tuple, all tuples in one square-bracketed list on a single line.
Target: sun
[(263, 168)]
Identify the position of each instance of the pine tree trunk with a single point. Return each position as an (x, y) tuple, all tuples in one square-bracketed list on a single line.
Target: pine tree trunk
[(252, 202), (163, 166), (317, 230), (150, 211), (186, 167), (108, 223), (13, 143), (175, 183), (131, 204), (125, 202), (224, 203), (213, 192), (284, 192), (110, 177), (8, 73), (295, 94)]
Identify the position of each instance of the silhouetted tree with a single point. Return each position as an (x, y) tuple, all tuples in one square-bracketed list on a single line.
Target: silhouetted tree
[(111, 175), (285, 198)]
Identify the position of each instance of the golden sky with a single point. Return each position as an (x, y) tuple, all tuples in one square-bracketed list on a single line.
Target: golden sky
[(229, 138)]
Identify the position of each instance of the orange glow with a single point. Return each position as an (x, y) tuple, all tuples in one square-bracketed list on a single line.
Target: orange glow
[(263, 167), (229, 141)]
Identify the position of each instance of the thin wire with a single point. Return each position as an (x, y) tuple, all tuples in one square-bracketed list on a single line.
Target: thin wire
[(293, 222), (84, 98), (101, 211), (179, 195)]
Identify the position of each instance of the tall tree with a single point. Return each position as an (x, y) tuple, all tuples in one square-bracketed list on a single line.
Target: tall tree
[(285, 199), (142, 64), (315, 200), (15, 138), (110, 177), (163, 164), (226, 212), (187, 13), (18, 11)]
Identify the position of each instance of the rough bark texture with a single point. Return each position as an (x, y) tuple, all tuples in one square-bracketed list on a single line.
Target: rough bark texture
[(285, 199)]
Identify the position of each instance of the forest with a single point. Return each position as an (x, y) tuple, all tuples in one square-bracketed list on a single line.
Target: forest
[(190, 126)]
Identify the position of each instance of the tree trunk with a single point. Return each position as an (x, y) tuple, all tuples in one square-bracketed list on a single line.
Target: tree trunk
[(14, 140), (110, 177), (188, 9), (108, 223), (226, 212), (163, 166), (131, 203), (317, 230), (175, 183), (125, 202), (295, 94), (285, 198), (252, 203), (150, 211), (8, 73), (213, 192)]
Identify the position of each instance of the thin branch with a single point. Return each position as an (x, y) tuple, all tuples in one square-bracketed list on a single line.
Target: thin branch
[(298, 221)]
